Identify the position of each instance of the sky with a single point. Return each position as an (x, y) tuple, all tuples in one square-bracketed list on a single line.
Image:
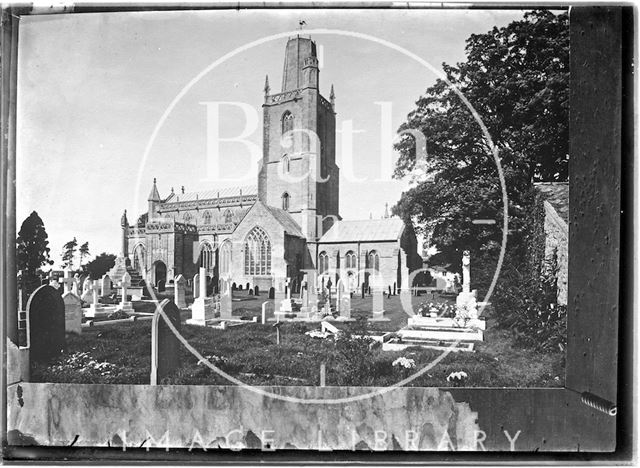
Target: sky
[(93, 89)]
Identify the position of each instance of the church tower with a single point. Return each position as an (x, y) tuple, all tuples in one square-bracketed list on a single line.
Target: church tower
[(298, 172)]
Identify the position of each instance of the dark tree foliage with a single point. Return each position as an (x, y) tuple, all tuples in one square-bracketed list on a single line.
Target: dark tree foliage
[(100, 265), (516, 78), (32, 248), (68, 253)]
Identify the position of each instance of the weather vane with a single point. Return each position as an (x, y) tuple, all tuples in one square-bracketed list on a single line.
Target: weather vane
[(301, 24)]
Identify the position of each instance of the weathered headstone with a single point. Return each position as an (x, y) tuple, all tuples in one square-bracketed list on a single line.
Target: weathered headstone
[(272, 293), (267, 309), (179, 290), (466, 304), (256, 290), (202, 308), (125, 305), (72, 313), (161, 286), (105, 285), (196, 285), (378, 300), (248, 286), (76, 285), (343, 302), (45, 310), (87, 290), (226, 301), (96, 309), (165, 346)]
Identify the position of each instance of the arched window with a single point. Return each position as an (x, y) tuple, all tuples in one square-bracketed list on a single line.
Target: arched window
[(206, 217), (139, 258), (206, 256), (225, 258), (287, 122), (285, 201), (228, 216), (187, 217), (374, 260), (323, 263), (350, 259), (285, 164), (257, 253)]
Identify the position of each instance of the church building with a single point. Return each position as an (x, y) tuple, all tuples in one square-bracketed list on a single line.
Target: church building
[(289, 222)]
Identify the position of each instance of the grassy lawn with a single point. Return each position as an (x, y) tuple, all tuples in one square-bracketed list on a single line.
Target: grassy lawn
[(120, 353)]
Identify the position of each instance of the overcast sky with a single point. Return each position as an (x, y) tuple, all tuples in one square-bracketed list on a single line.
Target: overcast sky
[(92, 88)]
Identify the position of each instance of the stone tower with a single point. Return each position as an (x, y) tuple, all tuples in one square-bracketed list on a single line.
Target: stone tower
[(299, 144)]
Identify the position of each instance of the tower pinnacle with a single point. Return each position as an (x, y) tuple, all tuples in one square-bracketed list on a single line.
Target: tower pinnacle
[(332, 97), (266, 86)]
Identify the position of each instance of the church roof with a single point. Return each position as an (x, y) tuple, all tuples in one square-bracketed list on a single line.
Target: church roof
[(226, 192), (368, 230), (285, 219)]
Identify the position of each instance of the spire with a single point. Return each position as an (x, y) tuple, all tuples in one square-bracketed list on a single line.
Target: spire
[(332, 98), (154, 195), (266, 86), (124, 221), (386, 210)]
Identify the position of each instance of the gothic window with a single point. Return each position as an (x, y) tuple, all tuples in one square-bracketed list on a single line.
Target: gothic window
[(285, 201), (228, 216), (207, 217), (323, 263), (206, 256), (187, 217), (287, 122), (374, 261), (285, 164), (350, 259), (225, 258), (257, 253), (139, 258)]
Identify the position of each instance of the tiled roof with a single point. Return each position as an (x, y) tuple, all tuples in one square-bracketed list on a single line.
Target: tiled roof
[(212, 194), (285, 219), (557, 194), (366, 230)]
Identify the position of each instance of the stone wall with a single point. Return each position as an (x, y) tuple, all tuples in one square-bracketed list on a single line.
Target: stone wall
[(557, 240), (237, 417)]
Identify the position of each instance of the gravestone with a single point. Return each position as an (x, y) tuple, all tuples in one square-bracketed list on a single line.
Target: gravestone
[(466, 303), (343, 301), (76, 285), (96, 309), (196, 285), (165, 346), (256, 290), (202, 309), (179, 290), (248, 286), (72, 313), (225, 301), (68, 282), (161, 286), (45, 309), (272, 293), (105, 285), (267, 309), (125, 305), (378, 301)]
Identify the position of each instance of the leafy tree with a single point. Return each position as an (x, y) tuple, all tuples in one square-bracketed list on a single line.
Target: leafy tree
[(100, 265), (84, 251), (516, 78), (68, 253), (32, 248)]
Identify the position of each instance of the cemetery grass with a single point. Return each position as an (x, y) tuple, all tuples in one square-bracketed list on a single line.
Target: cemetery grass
[(120, 353)]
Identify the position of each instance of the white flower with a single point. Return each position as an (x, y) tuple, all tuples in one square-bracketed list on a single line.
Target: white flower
[(461, 375), (404, 362)]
